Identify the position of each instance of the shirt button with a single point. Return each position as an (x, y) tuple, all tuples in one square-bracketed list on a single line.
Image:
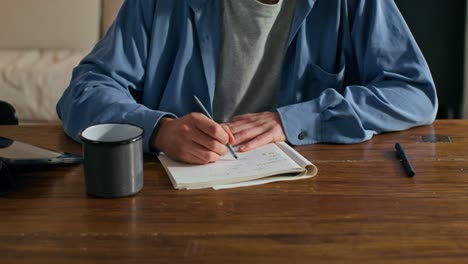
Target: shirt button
[(302, 135)]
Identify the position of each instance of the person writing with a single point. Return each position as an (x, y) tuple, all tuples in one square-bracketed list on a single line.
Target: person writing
[(301, 71)]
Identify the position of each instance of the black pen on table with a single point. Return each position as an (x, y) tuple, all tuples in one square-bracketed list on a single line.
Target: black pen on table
[(203, 109), (404, 159)]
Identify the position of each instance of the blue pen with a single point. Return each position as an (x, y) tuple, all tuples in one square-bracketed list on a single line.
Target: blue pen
[(203, 109)]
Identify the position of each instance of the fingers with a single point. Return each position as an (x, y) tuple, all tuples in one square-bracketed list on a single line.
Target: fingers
[(239, 126), (210, 139), (195, 159), (248, 121), (255, 130), (209, 143), (192, 139), (244, 122), (257, 142), (250, 132), (210, 128), (197, 139), (195, 154), (201, 155), (230, 134), (246, 117)]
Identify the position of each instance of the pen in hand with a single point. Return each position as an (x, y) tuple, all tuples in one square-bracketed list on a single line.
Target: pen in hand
[(404, 159), (205, 112)]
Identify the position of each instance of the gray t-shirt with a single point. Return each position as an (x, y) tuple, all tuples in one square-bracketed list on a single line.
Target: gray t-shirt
[(254, 38)]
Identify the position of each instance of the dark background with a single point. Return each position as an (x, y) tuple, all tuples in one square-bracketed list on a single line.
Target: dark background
[(439, 29)]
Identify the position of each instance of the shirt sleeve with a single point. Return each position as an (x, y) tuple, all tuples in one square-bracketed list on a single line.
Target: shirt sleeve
[(103, 83), (395, 90)]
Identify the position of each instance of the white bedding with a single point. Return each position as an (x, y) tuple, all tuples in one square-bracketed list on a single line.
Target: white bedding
[(33, 81)]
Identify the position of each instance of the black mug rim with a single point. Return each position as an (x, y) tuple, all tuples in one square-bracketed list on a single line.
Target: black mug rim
[(112, 143)]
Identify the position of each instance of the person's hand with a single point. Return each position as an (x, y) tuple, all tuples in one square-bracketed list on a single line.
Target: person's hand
[(252, 131), (193, 138)]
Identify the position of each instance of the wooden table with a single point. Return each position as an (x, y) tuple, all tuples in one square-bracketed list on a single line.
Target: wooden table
[(360, 208)]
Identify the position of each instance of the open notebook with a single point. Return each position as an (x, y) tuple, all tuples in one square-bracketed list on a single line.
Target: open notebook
[(270, 163)]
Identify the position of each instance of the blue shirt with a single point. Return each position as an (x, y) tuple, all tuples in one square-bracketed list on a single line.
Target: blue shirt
[(351, 70)]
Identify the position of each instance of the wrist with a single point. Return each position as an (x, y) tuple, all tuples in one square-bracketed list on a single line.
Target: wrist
[(158, 133)]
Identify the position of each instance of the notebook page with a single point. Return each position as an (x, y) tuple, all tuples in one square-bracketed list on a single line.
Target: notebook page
[(310, 171), (263, 181), (265, 161), (293, 154)]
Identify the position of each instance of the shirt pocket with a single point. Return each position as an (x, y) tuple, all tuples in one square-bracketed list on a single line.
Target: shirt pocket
[(320, 79)]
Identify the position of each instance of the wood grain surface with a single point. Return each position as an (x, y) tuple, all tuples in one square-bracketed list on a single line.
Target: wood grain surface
[(360, 208)]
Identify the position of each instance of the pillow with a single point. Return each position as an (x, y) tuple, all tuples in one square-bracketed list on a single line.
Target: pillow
[(33, 81), (49, 24)]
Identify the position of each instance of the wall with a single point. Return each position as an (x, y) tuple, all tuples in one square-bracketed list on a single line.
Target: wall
[(49, 24), (439, 29)]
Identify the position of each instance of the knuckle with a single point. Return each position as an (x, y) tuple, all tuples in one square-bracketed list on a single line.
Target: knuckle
[(185, 128), (243, 134), (214, 129), (192, 115), (224, 140), (211, 145), (195, 116), (261, 137), (247, 146)]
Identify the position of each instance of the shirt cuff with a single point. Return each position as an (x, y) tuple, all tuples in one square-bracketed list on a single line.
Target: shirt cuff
[(148, 120), (301, 123)]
